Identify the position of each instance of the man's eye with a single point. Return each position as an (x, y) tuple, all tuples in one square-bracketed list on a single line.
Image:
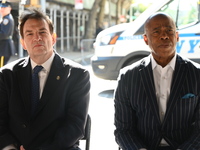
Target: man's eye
[(29, 34), (43, 32), (156, 32), (170, 31)]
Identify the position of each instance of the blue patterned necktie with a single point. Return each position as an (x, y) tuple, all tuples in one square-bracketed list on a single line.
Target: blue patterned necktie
[(35, 93)]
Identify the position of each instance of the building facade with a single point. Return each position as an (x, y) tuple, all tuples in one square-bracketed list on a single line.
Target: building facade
[(70, 23)]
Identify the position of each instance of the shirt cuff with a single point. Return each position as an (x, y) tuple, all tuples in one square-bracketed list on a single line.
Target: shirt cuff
[(10, 147)]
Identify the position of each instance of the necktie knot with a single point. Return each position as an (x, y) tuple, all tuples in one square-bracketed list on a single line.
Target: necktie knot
[(37, 69)]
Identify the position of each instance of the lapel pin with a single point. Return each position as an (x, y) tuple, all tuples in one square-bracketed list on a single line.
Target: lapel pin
[(58, 78)]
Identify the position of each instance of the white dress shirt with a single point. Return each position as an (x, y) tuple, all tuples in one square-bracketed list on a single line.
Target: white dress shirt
[(162, 80), (43, 74)]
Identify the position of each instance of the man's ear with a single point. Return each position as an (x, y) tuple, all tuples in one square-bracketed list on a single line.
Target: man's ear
[(145, 38), (54, 37), (177, 36), (22, 43)]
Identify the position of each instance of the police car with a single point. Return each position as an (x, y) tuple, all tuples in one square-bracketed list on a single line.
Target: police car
[(121, 45)]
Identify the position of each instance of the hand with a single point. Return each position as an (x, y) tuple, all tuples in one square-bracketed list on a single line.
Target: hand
[(21, 147)]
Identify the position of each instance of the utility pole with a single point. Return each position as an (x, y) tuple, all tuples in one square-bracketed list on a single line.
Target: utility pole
[(109, 14), (43, 5), (21, 9)]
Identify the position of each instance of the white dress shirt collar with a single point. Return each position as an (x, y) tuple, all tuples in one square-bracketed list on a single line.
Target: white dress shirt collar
[(171, 63), (46, 65)]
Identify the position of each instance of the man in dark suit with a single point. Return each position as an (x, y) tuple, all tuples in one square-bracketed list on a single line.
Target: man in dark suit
[(7, 47), (56, 119), (157, 101)]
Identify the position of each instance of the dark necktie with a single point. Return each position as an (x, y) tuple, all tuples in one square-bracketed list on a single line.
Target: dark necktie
[(35, 93)]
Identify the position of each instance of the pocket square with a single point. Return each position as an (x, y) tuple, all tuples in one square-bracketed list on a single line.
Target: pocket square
[(189, 95)]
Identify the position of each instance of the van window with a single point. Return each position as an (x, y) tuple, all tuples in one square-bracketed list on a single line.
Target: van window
[(140, 31), (183, 13)]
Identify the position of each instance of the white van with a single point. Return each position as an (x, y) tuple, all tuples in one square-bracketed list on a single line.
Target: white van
[(121, 45)]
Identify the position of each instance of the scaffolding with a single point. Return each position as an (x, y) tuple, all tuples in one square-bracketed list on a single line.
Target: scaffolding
[(69, 26)]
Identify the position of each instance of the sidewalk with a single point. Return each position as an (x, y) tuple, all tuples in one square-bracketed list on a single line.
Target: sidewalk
[(81, 58)]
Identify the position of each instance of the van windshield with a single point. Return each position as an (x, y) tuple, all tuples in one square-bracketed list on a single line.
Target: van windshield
[(184, 13)]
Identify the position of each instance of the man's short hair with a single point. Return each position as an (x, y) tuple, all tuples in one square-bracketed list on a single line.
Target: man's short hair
[(34, 13)]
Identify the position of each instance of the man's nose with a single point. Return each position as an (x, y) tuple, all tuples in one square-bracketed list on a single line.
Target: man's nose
[(37, 37), (164, 35)]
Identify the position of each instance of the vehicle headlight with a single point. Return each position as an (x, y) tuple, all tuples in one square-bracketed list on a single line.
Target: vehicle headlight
[(109, 39)]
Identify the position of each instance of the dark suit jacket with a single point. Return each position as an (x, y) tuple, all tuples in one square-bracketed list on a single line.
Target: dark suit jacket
[(137, 118), (62, 113)]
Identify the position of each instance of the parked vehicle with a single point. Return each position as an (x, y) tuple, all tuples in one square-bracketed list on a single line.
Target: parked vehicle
[(121, 45)]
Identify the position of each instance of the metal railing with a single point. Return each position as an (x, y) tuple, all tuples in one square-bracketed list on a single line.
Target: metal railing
[(87, 50)]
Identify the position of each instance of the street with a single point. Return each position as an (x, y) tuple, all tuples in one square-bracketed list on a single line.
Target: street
[(101, 110)]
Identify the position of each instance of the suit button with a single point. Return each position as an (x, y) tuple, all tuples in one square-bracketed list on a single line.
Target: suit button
[(23, 126)]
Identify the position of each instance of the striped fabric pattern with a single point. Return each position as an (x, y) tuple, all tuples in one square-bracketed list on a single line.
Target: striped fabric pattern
[(137, 118)]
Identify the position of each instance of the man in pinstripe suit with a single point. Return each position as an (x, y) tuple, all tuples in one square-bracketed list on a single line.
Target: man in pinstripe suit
[(157, 101)]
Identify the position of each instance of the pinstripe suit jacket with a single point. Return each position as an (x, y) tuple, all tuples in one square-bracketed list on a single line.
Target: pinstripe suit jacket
[(137, 118)]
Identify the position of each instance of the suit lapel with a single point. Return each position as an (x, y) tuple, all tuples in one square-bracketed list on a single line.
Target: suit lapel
[(148, 83), (55, 76), (179, 77), (24, 80)]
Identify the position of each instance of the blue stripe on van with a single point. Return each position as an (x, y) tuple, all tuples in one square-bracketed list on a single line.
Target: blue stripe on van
[(188, 34), (137, 37)]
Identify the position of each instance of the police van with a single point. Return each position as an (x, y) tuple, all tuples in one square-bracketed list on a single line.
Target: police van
[(123, 44)]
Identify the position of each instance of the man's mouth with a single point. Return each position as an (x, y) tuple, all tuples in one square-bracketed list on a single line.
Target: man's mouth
[(164, 45), (37, 45)]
